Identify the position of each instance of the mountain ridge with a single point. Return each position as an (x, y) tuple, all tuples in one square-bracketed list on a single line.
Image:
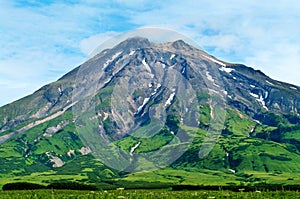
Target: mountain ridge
[(256, 127), (139, 42)]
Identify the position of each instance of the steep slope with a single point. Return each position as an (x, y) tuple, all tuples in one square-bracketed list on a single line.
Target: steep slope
[(142, 106)]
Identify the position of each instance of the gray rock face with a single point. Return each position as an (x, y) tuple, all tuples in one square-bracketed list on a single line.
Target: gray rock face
[(242, 87), (247, 89), (50, 131)]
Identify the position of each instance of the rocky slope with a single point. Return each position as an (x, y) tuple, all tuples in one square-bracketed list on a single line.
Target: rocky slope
[(141, 106)]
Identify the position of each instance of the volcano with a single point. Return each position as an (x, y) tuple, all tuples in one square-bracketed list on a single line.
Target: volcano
[(144, 111)]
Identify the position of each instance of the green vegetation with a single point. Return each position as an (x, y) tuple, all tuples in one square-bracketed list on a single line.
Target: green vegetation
[(149, 194), (245, 153), (22, 186)]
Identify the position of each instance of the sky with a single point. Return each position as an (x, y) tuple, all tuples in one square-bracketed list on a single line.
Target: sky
[(42, 40)]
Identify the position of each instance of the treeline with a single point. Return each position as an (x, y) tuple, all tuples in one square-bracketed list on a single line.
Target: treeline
[(55, 185), (237, 188), (106, 184), (147, 185)]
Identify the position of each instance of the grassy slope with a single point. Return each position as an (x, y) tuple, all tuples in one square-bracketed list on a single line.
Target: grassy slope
[(255, 159)]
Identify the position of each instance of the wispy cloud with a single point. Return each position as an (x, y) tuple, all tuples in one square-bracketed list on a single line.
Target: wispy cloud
[(42, 40), (89, 44), (253, 32)]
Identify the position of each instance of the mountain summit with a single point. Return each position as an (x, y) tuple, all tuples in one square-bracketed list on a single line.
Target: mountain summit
[(143, 106)]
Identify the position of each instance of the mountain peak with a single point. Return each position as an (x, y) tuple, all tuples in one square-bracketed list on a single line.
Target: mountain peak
[(135, 42), (180, 44), (142, 42)]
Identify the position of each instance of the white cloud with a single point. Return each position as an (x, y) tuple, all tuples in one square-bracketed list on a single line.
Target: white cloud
[(89, 45), (58, 36), (245, 32), (283, 62), (99, 42), (38, 45), (223, 43), (11, 90)]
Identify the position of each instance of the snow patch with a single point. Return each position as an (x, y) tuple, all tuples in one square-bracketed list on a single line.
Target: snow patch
[(117, 71), (146, 100), (60, 91), (214, 60), (155, 90), (213, 91), (269, 83), (258, 122), (183, 70), (209, 77), (169, 101), (146, 65), (294, 88), (216, 85), (134, 148), (266, 94), (227, 70), (158, 86), (263, 103), (132, 52), (254, 95), (110, 60), (172, 56), (107, 81)]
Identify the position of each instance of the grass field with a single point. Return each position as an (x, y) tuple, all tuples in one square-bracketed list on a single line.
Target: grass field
[(162, 177), (41, 178), (145, 194)]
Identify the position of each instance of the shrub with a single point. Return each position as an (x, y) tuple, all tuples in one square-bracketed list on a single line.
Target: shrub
[(22, 186), (71, 186)]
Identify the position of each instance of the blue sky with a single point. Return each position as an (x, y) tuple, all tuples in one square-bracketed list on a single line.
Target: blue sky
[(42, 40)]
